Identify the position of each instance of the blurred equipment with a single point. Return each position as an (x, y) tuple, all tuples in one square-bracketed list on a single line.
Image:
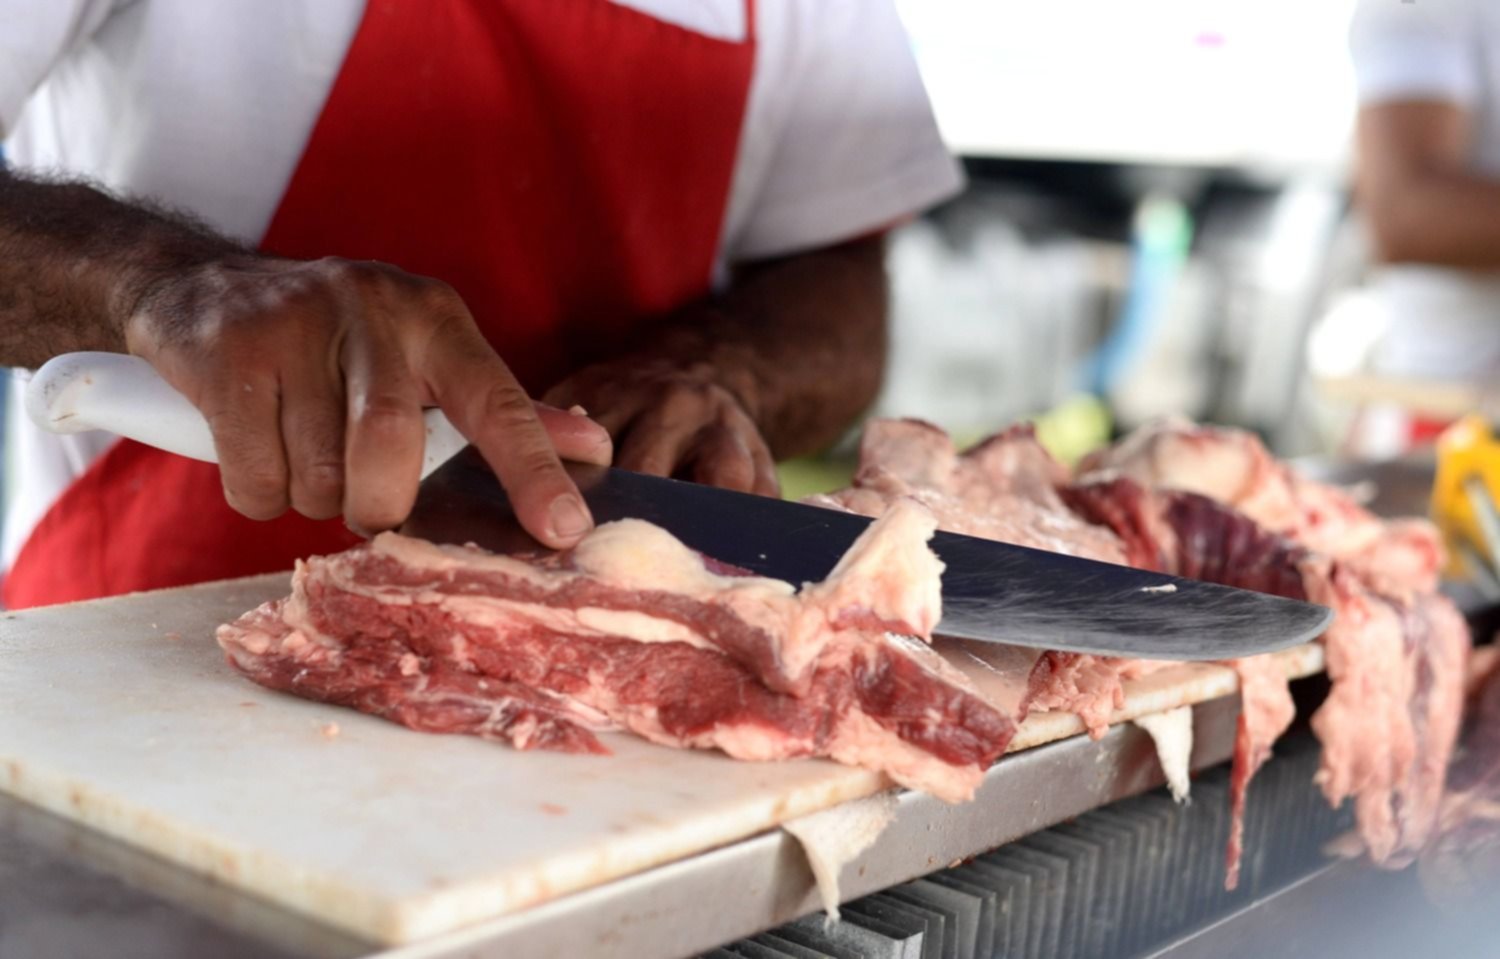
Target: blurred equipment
[(1155, 290)]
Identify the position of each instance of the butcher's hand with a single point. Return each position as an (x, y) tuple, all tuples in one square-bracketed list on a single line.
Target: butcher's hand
[(313, 377), (674, 419)]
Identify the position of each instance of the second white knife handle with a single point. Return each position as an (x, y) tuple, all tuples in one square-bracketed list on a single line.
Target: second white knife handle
[(124, 395)]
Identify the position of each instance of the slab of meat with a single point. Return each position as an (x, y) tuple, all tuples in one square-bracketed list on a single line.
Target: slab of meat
[(1213, 504), (1397, 649), (632, 630)]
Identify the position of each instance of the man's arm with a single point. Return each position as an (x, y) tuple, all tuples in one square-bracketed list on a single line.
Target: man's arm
[(1423, 204), (312, 375), (73, 261), (778, 366)]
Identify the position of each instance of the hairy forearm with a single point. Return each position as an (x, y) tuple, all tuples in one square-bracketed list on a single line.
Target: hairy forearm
[(802, 341), (75, 261), (1422, 198)]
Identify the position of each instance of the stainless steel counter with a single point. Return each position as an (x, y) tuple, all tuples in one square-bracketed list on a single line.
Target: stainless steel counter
[(1344, 909), (67, 892)]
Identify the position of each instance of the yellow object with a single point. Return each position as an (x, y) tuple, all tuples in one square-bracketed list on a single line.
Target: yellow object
[(1075, 428), (1467, 448), (808, 475), (1069, 431)]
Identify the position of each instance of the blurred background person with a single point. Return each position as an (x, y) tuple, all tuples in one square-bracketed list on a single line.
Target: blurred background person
[(1428, 183)]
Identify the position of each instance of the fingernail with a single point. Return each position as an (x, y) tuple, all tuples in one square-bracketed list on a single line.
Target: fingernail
[(570, 518)]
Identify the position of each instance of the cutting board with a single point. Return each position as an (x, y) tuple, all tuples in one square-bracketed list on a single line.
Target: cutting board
[(122, 714)]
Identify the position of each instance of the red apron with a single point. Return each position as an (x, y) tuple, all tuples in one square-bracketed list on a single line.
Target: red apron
[(564, 165)]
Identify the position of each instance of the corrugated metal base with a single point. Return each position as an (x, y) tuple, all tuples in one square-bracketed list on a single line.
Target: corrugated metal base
[(1122, 880)]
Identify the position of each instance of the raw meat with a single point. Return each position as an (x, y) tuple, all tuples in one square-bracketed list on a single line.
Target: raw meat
[(632, 630), (1461, 869), (1172, 732), (1188, 534), (1391, 718), (1233, 468), (1397, 649), (1005, 488), (1266, 711), (1213, 504), (1087, 686)]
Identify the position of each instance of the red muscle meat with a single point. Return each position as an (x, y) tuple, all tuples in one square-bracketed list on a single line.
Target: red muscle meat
[(631, 630), (1232, 468)]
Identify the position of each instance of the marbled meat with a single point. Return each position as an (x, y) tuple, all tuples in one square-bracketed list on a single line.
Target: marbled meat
[(632, 630)]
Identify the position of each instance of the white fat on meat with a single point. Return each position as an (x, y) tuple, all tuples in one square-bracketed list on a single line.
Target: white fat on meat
[(628, 554), (1172, 733), (634, 554), (833, 838), (1005, 488), (889, 575), (1227, 465)]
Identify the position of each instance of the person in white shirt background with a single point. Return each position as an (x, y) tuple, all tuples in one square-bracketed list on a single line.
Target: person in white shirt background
[(1428, 182)]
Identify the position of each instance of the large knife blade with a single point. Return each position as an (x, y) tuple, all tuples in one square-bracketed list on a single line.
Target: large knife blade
[(992, 591)]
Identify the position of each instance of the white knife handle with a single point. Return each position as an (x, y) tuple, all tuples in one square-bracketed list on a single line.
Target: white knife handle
[(77, 392)]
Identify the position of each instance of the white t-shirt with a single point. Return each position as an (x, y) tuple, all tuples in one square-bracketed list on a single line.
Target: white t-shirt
[(207, 106), (1444, 323)]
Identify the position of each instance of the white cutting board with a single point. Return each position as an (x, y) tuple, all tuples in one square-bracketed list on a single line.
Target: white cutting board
[(122, 714)]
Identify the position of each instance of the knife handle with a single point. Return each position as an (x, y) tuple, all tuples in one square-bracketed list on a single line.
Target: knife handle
[(77, 392)]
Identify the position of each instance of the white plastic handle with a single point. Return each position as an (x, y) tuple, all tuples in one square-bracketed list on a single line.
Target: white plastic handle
[(77, 392)]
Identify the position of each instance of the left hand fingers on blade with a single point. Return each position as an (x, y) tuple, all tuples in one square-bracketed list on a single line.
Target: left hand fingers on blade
[(575, 437), (763, 479), (312, 423), (610, 408), (723, 459), (767, 481), (385, 434), (655, 445), (484, 401)]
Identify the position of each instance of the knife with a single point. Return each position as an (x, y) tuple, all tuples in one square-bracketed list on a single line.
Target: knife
[(992, 591)]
